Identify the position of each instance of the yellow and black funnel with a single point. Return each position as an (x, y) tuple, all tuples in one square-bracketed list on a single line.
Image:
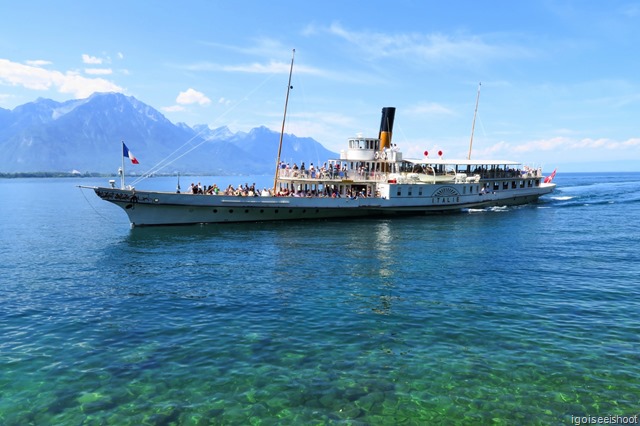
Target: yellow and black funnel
[(386, 127)]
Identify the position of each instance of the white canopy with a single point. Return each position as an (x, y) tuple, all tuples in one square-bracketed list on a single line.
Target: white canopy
[(453, 162)]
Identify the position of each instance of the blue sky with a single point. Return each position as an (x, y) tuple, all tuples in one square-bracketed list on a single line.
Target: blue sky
[(560, 79)]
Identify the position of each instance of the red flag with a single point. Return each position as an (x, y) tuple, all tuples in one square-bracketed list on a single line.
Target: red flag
[(549, 178), (129, 154)]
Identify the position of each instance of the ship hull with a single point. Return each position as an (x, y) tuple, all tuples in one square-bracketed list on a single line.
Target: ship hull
[(149, 208)]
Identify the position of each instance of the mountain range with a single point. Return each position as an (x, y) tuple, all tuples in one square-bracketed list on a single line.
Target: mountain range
[(85, 135)]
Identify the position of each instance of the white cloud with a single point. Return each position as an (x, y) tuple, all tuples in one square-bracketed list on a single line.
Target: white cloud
[(191, 96), (36, 78), (98, 71), (92, 60), (633, 142), (82, 87)]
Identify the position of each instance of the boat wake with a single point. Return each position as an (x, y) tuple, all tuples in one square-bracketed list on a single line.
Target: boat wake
[(598, 190), (498, 209)]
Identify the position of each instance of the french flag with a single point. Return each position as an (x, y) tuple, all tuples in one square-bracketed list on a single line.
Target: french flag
[(129, 154)]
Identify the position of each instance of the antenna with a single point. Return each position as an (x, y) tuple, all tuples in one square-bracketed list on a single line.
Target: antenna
[(473, 126)]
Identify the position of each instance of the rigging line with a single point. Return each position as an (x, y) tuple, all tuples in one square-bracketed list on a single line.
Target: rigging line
[(93, 207), (305, 107), (484, 132), (167, 161)]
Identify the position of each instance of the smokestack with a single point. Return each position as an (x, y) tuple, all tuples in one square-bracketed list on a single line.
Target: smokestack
[(386, 127)]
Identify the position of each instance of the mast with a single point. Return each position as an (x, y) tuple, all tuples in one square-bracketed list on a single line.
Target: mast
[(284, 118), (122, 168), (473, 126)]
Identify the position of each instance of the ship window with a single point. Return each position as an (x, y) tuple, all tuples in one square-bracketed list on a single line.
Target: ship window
[(215, 210), (505, 185), (496, 186), (399, 192), (521, 184), (420, 191), (230, 210), (530, 183), (513, 184), (409, 191)]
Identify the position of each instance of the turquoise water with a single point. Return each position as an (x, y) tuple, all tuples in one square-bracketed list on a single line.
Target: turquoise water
[(524, 315)]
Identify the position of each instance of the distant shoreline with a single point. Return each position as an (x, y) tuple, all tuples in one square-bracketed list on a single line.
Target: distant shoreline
[(49, 175)]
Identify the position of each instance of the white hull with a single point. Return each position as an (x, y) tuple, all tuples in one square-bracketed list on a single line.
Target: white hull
[(146, 208)]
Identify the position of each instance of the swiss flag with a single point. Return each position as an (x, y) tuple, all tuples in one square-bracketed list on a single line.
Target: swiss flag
[(549, 178)]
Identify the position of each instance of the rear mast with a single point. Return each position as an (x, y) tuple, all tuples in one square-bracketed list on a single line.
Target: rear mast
[(473, 126)]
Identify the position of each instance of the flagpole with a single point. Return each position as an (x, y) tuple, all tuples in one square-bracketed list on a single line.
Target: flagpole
[(122, 169)]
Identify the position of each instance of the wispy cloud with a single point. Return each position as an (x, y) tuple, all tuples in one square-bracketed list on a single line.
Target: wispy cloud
[(38, 63), (566, 144), (430, 48), (38, 78), (270, 67), (428, 108), (263, 47)]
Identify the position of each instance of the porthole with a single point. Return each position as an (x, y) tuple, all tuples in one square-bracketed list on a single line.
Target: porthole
[(215, 210), (246, 210), (230, 210)]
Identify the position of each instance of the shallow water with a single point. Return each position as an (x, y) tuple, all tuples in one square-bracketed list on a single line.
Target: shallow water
[(508, 315)]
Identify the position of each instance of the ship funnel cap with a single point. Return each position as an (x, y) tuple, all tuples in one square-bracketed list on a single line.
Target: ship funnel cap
[(386, 126)]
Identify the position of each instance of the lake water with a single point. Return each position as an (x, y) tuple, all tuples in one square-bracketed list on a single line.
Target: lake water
[(523, 315)]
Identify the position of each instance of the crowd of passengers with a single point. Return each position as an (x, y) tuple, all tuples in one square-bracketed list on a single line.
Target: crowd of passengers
[(247, 190), (326, 172), (507, 173)]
